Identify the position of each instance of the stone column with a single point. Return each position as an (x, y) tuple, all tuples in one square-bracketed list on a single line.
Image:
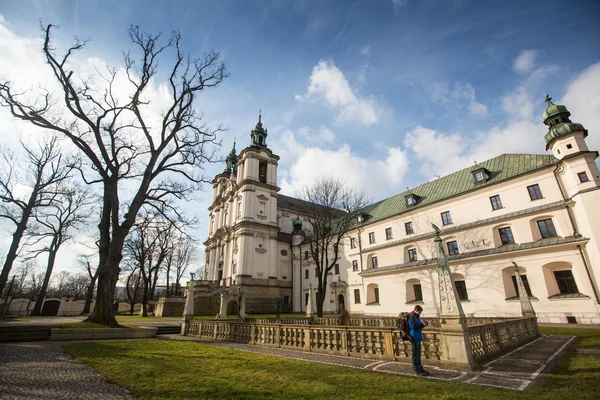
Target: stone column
[(526, 306), (242, 305), (456, 347), (223, 307), (309, 306), (188, 310)]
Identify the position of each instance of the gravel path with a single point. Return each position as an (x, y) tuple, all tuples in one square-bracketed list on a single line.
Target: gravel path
[(41, 370)]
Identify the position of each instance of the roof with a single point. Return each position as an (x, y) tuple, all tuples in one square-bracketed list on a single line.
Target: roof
[(478, 253), (501, 168), (293, 204)]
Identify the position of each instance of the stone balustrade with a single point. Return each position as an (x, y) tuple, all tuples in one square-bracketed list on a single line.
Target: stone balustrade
[(492, 339), (370, 337)]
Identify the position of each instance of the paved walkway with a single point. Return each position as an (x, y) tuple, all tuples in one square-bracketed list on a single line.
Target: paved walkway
[(42, 371), (517, 370)]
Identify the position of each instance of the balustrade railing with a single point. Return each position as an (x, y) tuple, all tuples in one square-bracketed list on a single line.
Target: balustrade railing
[(491, 339)]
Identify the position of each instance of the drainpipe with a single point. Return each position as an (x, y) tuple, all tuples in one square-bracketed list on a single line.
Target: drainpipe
[(587, 270), (562, 192)]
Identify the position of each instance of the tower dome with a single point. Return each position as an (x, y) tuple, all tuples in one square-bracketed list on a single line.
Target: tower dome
[(556, 117)]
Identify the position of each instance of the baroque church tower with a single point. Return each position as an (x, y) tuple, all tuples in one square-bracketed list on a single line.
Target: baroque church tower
[(242, 249)]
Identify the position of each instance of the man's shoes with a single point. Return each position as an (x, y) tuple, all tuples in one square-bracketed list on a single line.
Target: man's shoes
[(425, 373)]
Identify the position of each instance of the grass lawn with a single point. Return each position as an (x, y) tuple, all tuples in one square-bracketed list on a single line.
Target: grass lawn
[(160, 369), (90, 325), (296, 315), (138, 319), (586, 338)]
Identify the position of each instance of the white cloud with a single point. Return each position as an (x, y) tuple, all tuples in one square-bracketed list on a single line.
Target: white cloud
[(379, 176), (322, 135), (459, 96), (329, 86), (525, 62), (365, 51), (582, 98)]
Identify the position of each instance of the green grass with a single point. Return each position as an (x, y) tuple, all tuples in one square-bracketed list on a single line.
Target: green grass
[(160, 369), (138, 319), (586, 338), (296, 315)]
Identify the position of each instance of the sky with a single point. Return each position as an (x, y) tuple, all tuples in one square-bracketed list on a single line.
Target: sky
[(386, 94)]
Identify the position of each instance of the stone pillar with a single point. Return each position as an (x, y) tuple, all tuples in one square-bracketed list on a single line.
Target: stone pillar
[(242, 306), (188, 309), (309, 306), (223, 307), (526, 306), (456, 347)]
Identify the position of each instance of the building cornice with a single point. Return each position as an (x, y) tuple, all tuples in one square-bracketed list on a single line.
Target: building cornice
[(458, 228), (511, 248)]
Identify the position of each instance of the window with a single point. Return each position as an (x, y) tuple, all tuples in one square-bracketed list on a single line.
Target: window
[(316, 273), (262, 171), (410, 201), (446, 219), (525, 283), (506, 236), (546, 228), (352, 243), (566, 282), (376, 293), (356, 296), (371, 237), (496, 203), (374, 262), (583, 177), (461, 288), (286, 299), (479, 176), (388, 233), (569, 146), (412, 255), (372, 293), (306, 255), (305, 299), (534, 192), (337, 269), (452, 248), (305, 274), (355, 265), (409, 228), (418, 292)]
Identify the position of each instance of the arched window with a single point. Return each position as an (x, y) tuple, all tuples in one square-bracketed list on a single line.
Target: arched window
[(372, 261), (373, 293), (414, 291), (543, 227), (503, 235), (461, 287), (510, 282), (561, 280)]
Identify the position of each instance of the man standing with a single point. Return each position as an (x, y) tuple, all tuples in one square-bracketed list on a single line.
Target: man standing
[(416, 333)]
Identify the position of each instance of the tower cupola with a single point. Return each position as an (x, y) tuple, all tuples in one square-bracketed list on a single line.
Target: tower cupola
[(259, 135), (556, 118), (231, 161)]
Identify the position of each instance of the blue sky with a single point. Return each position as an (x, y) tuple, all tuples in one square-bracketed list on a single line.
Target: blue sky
[(386, 94)]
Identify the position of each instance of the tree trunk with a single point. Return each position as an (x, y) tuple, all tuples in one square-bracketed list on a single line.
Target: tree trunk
[(144, 311), (14, 248), (89, 297), (37, 308)]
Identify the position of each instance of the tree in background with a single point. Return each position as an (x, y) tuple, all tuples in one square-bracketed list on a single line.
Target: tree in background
[(56, 224), (84, 261), (122, 138), (331, 210), (42, 169)]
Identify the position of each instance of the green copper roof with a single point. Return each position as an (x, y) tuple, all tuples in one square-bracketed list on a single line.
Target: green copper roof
[(501, 168), (553, 109), (563, 129)]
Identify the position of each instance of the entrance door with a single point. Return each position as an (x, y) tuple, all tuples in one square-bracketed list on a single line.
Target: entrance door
[(341, 303), (50, 308)]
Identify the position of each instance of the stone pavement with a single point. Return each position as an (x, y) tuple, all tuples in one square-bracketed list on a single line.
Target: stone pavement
[(516, 370), (41, 370)]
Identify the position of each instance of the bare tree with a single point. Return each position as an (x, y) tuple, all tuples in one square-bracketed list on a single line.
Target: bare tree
[(85, 262), (41, 171), (133, 284), (57, 222), (184, 255), (331, 210), (77, 285), (161, 160)]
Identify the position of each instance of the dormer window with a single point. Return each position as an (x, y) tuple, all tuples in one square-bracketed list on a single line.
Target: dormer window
[(411, 199), (481, 175)]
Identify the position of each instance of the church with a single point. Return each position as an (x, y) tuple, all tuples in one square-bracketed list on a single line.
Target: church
[(538, 214)]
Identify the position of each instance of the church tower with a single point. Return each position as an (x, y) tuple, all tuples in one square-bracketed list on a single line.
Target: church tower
[(578, 178)]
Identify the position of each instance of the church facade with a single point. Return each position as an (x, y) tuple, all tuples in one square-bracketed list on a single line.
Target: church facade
[(538, 214)]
